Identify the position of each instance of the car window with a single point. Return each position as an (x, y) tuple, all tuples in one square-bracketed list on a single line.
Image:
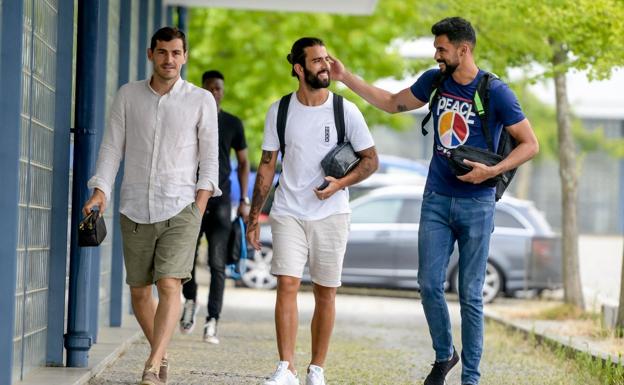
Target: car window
[(377, 211), (410, 212), (505, 219)]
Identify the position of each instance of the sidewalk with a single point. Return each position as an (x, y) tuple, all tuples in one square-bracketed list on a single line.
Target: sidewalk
[(376, 341)]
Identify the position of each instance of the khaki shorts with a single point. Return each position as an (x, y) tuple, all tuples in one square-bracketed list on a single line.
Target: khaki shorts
[(160, 250), (323, 242)]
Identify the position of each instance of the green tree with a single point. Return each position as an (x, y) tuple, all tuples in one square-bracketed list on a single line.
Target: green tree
[(250, 48)]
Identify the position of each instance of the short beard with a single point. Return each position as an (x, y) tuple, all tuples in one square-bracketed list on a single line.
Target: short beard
[(449, 68), (313, 81)]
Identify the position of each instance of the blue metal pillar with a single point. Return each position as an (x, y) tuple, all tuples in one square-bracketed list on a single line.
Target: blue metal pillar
[(10, 108), (158, 13), (182, 25), (116, 303), (143, 39), (60, 186), (78, 339), (169, 17)]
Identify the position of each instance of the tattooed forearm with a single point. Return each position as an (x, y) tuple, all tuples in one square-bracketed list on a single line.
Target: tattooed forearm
[(267, 156), (262, 187), (401, 108), (369, 162)]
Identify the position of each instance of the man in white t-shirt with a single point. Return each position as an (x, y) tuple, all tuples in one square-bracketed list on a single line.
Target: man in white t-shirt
[(308, 224)]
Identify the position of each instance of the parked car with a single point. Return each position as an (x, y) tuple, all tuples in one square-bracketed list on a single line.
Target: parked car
[(391, 164), (382, 249)]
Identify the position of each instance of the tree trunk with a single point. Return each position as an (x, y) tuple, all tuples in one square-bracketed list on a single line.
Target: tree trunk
[(573, 291), (620, 317)]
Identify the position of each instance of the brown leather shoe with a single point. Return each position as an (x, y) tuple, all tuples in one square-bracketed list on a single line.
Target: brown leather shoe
[(150, 376), (164, 368)]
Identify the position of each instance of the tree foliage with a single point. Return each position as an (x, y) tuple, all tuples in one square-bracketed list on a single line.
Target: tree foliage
[(250, 49)]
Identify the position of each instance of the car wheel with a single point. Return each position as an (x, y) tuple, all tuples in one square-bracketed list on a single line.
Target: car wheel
[(258, 270), (491, 287)]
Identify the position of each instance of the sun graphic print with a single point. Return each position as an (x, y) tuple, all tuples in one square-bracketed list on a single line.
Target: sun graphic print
[(453, 130)]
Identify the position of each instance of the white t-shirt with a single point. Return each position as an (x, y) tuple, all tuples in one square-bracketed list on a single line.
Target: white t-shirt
[(310, 134)]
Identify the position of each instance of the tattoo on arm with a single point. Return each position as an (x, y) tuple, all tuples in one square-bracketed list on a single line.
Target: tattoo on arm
[(401, 107), (262, 187), (368, 165), (267, 156)]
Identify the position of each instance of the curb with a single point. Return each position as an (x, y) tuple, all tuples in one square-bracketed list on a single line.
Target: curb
[(569, 344)]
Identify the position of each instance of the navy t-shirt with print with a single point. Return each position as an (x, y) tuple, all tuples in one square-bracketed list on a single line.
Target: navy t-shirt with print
[(456, 122)]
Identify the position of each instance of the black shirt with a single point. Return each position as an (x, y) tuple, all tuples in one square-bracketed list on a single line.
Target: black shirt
[(231, 136)]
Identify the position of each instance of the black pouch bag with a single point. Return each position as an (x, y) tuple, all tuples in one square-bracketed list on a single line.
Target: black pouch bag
[(340, 160), (91, 230), (457, 155)]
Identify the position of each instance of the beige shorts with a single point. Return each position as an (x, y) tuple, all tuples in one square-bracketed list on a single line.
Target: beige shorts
[(323, 242), (163, 249)]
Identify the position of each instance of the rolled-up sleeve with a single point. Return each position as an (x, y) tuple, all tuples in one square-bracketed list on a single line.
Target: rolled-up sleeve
[(208, 137), (111, 149)]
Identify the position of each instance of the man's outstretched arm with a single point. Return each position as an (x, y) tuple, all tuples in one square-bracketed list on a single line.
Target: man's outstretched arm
[(399, 102)]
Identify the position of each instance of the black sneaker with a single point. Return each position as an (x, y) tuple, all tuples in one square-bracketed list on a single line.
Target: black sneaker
[(440, 370)]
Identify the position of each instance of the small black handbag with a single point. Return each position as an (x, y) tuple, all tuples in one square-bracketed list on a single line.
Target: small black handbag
[(91, 230), (457, 155), (340, 160)]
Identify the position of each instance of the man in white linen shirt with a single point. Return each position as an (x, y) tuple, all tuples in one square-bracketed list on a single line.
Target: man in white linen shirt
[(164, 128), (308, 223)]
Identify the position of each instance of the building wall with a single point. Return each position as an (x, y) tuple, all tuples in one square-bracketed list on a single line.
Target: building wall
[(35, 183)]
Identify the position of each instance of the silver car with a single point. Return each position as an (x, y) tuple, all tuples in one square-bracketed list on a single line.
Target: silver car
[(382, 249)]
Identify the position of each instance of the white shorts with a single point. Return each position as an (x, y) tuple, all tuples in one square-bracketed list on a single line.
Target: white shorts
[(324, 241)]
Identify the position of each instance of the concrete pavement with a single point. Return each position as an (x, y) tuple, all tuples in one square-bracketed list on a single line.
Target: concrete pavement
[(377, 341)]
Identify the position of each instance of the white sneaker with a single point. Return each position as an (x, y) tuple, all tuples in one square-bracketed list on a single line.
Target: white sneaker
[(315, 376), (187, 322), (282, 376), (210, 331)]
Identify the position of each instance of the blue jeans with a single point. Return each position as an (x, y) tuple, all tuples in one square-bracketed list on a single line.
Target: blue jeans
[(469, 221)]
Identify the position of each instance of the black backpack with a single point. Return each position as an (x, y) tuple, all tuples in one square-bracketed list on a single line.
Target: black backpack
[(481, 102), (282, 114)]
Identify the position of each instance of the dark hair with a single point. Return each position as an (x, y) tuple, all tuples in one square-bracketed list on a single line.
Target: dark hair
[(457, 29), (168, 34), (297, 52), (212, 74)]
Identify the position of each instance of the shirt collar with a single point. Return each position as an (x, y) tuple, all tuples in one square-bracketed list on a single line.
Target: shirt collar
[(174, 90)]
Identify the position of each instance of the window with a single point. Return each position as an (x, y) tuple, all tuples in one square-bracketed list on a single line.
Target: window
[(504, 219), (377, 211)]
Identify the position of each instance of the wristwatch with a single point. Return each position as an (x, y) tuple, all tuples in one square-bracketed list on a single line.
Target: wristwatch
[(245, 200)]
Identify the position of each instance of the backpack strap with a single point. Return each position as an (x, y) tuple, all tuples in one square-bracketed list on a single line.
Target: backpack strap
[(339, 119), (436, 90), (282, 115), (482, 105)]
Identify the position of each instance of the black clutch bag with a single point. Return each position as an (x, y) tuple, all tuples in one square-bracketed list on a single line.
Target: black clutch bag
[(457, 155), (91, 230), (339, 161)]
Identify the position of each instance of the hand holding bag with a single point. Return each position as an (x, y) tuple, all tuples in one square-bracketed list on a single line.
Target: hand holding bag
[(457, 155), (91, 230)]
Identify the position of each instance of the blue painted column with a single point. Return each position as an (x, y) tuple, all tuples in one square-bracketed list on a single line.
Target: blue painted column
[(143, 39), (10, 108), (116, 303), (183, 25), (78, 339), (158, 15), (60, 186), (169, 17)]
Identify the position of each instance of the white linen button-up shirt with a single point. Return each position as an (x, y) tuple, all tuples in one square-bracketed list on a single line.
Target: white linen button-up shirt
[(163, 140)]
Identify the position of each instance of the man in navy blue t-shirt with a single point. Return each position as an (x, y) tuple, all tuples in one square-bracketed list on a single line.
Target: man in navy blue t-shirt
[(455, 208)]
